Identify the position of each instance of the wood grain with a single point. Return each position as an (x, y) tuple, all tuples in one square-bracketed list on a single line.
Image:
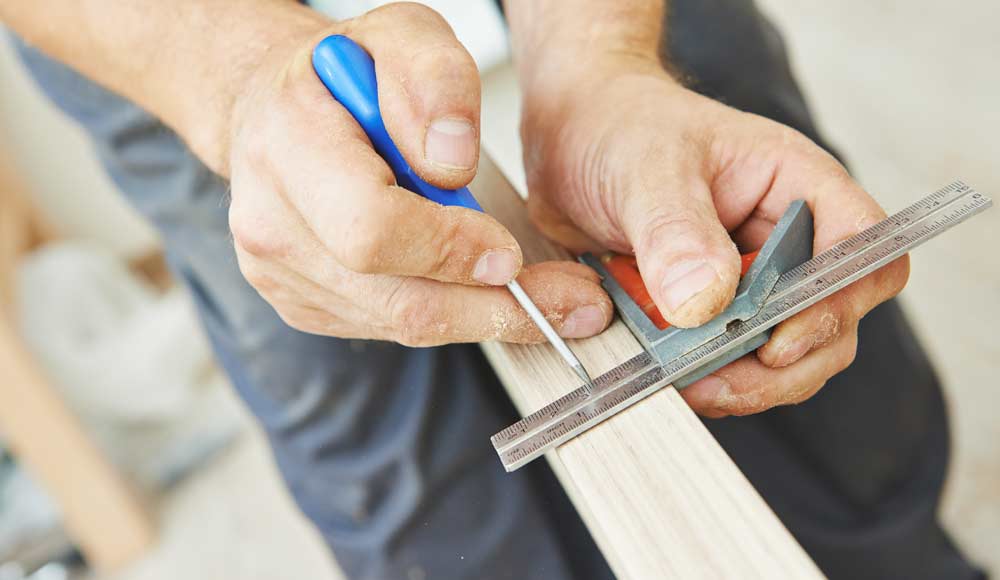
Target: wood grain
[(658, 493)]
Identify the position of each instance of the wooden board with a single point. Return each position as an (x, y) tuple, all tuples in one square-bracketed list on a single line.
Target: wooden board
[(99, 510), (21, 227), (658, 493)]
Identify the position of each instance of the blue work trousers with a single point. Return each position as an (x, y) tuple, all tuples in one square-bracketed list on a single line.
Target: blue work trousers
[(386, 448)]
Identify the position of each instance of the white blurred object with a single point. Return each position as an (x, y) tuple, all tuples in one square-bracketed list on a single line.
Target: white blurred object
[(132, 362), (477, 23), (124, 351)]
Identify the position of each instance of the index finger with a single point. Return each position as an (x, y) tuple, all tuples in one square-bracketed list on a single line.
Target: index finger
[(326, 168), (841, 209)]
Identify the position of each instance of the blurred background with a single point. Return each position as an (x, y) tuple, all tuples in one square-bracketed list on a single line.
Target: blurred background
[(98, 370)]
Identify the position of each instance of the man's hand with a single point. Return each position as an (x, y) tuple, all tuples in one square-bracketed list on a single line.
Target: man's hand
[(320, 228), (325, 235), (622, 157)]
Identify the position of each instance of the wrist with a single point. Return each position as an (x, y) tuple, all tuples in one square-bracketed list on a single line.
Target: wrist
[(253, 60), (560, 48), (574, 94), (559, 78)]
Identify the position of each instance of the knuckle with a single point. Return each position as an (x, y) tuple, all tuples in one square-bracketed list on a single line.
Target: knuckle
[(804, 394), (294, 89), (900, 275), (256, 236), (797, 148), (299, 322), (685, 226), (845, 356), (748, 404), (793, 139), (417, 329), (264, 284), (412, 12), (670, 223), (838, 177), (451, 60), (829, 318), (446, 238), (368, 225), (255, 276), (256, 149), (363, 247), (311, 318), (412, 317), (841, 310), (669, 226)]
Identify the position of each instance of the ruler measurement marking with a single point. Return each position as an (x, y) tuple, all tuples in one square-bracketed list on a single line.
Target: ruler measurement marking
[(850, 260), (858, 243), (746, 329), (536, 421)]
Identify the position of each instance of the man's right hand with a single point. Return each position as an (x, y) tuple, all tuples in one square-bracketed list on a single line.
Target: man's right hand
[(324, 234)]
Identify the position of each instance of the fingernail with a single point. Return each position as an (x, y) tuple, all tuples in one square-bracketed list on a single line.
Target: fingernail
[(495, 267), (685, 281), (583, 322), (451, 143), (793, 351)]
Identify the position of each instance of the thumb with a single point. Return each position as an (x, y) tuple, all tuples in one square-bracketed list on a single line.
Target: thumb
[(689, 263), (429, 90)]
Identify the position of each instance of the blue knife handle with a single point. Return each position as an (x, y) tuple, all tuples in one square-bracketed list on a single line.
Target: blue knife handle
[(349, 74)]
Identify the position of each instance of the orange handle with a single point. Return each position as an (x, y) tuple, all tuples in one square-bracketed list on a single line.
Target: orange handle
[(625, 271)]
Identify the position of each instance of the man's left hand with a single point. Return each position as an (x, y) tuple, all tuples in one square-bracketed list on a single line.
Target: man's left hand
[(629, 160)]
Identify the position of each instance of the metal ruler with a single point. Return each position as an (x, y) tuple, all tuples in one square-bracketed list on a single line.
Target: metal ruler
[(795, 291)]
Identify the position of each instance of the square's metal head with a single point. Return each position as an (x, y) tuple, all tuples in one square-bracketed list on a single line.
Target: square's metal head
[(789, 245)]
